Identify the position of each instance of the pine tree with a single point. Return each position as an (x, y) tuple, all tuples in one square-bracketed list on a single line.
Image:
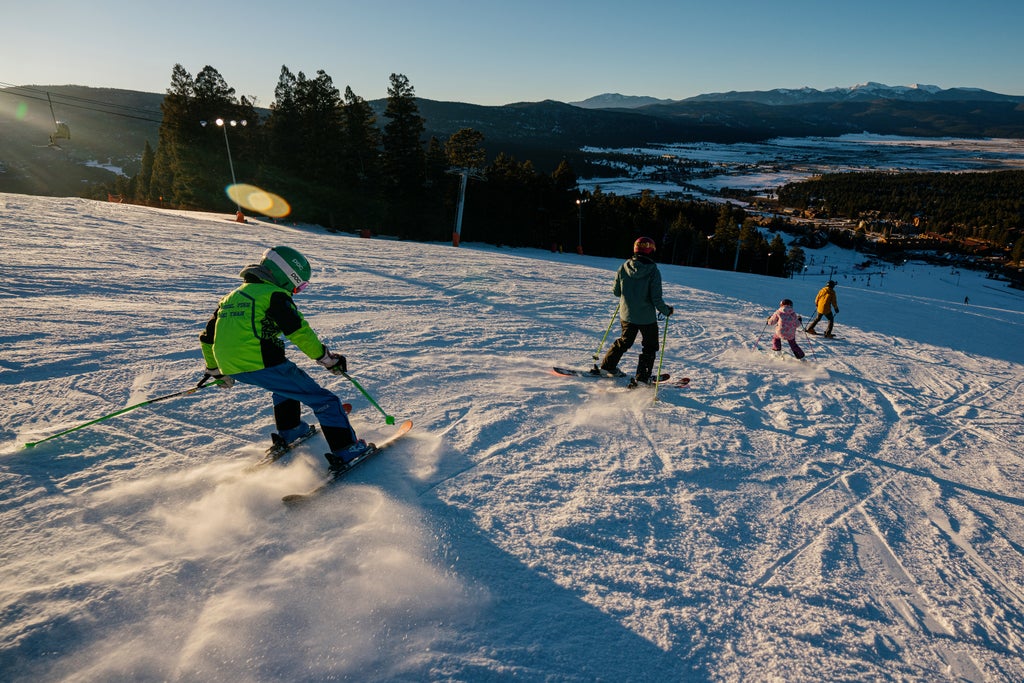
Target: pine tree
[(403, 158), (441, 199), (284, 129), (145, 176), (464, 150), (776, 264), (795, 260), (403, 150), (175, 110), (205, 167), (565, 179), (360, 157), (306, 141), (723, 243), (320, 149)]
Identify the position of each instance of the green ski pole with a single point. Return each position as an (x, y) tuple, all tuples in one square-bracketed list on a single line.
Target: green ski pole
[(664, 337), (151, 401), (388, 419), (597, 354)]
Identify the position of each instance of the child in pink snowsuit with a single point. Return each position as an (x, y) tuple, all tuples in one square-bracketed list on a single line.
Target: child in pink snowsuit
[(786, 322)]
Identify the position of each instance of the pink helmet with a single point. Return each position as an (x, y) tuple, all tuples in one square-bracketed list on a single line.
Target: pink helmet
[(645, 246)]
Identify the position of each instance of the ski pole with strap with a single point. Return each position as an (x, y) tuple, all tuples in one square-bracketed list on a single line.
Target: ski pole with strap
[(597, 354), (122, 411), (807, 338), (664, 338), (757, 344), (388, 419)]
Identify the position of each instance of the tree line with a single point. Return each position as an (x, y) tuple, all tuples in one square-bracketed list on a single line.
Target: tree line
[(984, 205), (326, 153)]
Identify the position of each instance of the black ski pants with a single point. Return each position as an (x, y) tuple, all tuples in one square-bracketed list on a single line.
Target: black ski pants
[(648, 350)]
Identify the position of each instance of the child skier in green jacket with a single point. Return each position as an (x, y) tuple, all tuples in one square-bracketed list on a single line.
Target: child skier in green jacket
[(242, 342)]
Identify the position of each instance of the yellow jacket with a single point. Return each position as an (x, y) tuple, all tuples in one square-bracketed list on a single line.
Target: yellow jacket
[(826, 299)]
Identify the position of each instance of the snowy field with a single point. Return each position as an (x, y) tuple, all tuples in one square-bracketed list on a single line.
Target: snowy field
[(766, 166), (859, 516)]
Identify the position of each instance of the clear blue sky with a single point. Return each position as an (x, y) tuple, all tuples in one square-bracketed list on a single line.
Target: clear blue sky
[(490, 53)]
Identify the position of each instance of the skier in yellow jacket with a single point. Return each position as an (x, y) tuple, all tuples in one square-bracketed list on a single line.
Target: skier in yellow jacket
[(826, 303)]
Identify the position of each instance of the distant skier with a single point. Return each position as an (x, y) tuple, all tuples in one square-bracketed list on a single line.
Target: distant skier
[(638, 286), (786, 323), (242, 342), (825, 303)]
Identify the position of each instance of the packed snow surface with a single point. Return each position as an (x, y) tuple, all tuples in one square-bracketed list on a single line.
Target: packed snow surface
[(858, 516)]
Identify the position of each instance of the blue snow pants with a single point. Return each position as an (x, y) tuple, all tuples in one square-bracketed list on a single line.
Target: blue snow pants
[(289, 386)]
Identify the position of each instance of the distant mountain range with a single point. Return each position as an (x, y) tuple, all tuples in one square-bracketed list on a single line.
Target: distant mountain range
[(784, 96), (109, 127)]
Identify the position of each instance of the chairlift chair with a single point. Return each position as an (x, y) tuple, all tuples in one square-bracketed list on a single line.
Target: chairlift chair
[(61, 129)]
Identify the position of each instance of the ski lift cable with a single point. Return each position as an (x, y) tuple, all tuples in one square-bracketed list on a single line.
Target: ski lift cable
[(76, 98), (45, 96), (51, 110)]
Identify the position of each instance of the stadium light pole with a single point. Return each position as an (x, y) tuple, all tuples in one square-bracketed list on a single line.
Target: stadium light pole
[(739, 240), (579, 238), (223, 125)]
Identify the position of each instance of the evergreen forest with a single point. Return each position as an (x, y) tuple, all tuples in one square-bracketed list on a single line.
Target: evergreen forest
[(337, 165), (984, 207)]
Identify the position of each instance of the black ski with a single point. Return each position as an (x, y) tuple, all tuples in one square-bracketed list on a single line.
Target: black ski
[(588, 374), (591, 374), (336, 476), (662, 381)]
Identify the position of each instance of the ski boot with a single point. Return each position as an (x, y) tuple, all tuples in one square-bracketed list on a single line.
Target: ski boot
[(340, 460)]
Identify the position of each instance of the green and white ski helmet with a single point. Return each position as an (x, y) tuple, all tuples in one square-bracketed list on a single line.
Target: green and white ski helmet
[(290, 268)]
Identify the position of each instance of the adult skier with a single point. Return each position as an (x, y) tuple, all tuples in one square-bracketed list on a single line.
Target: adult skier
[(242, 343), (638, 286), (825, 303)]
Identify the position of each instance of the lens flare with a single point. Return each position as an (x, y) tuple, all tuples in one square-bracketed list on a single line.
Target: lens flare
[(258, 200)]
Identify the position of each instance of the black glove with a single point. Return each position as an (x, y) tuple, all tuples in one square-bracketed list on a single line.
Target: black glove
[(226, 381), (670, 311), (335, 362)]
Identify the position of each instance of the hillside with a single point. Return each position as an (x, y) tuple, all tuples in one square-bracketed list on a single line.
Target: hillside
[(854, 517), (109, 130), (110, 127)]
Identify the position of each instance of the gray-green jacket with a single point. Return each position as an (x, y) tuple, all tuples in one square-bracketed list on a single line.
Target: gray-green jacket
[(638, 284)]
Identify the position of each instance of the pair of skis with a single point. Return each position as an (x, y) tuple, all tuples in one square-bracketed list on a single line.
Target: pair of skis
[(632, 383), (281, 448), (337, 475)]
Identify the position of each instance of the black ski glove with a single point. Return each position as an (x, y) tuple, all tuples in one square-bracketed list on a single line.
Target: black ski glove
[(335, 362)]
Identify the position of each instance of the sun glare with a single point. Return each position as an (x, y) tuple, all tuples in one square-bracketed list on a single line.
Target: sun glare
[(259, 200)]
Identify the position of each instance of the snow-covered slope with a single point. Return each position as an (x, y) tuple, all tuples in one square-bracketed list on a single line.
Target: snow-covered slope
[(859, 516)]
